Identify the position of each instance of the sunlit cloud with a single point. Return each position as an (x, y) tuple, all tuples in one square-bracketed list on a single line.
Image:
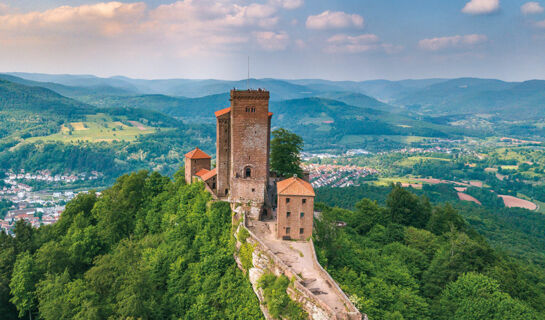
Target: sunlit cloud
[(478, 7), (334, 20)]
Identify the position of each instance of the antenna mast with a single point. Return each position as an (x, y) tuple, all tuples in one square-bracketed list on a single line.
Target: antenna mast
[(248, 80)]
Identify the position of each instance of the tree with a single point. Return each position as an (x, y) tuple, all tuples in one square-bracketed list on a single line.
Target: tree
[(408, 209), (475, 296), (22, 285), (286, 147)]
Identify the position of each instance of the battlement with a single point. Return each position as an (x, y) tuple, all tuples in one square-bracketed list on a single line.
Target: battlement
[(250, 94)]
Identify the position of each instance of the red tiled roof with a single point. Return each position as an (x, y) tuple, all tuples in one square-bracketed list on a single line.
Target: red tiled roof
[(201, 172), (295, 187), (197, 154), (270, 114), (222, 112), (210, 174)]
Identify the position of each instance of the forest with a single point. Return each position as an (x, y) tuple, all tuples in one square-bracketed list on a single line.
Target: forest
[(148, 248), (409, 259)]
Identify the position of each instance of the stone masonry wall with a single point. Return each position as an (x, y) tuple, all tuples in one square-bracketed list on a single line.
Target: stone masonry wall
[(264, 260), (295, 222), (249, 141), (223, 153)]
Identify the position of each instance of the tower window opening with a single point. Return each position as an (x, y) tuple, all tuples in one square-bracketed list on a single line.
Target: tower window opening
[(248, 172)]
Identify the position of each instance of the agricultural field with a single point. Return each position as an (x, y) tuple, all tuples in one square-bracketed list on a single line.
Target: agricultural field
[(98, 128)]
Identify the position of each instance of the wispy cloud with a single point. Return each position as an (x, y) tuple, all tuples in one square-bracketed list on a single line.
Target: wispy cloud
[(478, 7), (334, 20), (272, 41), (343, 43), (531, 8), (458, 41), (288, 4)]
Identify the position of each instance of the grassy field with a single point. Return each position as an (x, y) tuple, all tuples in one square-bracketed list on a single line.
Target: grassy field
[(385, 182), (410, 161), (98, 128)]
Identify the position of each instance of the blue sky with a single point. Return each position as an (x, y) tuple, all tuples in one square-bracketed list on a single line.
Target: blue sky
[(339, 40)]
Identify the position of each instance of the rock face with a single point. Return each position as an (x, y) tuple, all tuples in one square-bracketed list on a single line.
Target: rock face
[(264, 260)]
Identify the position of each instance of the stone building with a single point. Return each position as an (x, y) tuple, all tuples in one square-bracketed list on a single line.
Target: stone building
[(195, 161), (242, 173), (295, 211)]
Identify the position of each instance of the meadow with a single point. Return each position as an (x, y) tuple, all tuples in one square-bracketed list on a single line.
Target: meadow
[(97, 128)]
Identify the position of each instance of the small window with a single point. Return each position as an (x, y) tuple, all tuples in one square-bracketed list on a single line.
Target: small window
[(302, 214), (287, 200), (226, 191), (247, 172), (304, 201), (288, 230), (301, 230), (288, 214), (253, 190)]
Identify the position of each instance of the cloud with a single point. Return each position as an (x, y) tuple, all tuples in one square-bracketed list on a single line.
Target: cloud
[(478, 7), (342, 43), (182, 28), (272, 41), (334, 20), (465, 41), (108, 19), (288, 4), (531, 8), (4, 8)]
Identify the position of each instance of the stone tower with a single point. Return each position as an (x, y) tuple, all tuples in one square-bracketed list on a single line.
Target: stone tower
[(195, 161), (250, 129)]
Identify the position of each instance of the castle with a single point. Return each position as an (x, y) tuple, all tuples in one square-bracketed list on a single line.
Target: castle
[(242, 173), (272, 209)]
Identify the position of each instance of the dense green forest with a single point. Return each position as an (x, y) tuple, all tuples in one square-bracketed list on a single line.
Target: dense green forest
[(516, 231), (147, 248), (412, 260)]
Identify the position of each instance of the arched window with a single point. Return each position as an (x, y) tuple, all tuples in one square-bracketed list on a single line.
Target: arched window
[(248, 172)]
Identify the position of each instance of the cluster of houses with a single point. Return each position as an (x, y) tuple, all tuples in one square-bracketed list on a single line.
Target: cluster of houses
[(35, 216), (328, 175), (45, 175)]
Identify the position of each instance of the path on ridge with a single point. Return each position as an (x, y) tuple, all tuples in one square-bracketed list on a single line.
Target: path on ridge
[(298, 256)]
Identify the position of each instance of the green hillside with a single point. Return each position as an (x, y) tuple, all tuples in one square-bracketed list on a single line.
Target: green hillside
[(505, 100), (147, 248), (40, 129)]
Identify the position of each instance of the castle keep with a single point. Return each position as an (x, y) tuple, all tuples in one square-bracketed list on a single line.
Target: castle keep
[(272, 210)]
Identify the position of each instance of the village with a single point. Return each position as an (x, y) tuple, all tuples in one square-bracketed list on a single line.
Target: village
[(330, 175), (36, 207)]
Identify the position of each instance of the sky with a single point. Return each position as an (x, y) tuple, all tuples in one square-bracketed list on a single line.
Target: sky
[(289, 39)]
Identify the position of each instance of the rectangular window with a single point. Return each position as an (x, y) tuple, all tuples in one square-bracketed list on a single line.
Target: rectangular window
[(304, 201), (288, 214), (301, 230), (302, 214), (288, 230), (287, 200)]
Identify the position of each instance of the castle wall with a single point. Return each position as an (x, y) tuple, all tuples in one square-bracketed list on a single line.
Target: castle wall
[(249, 145), (223, 154), (295, 222), (193, 166), (265, 260)]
